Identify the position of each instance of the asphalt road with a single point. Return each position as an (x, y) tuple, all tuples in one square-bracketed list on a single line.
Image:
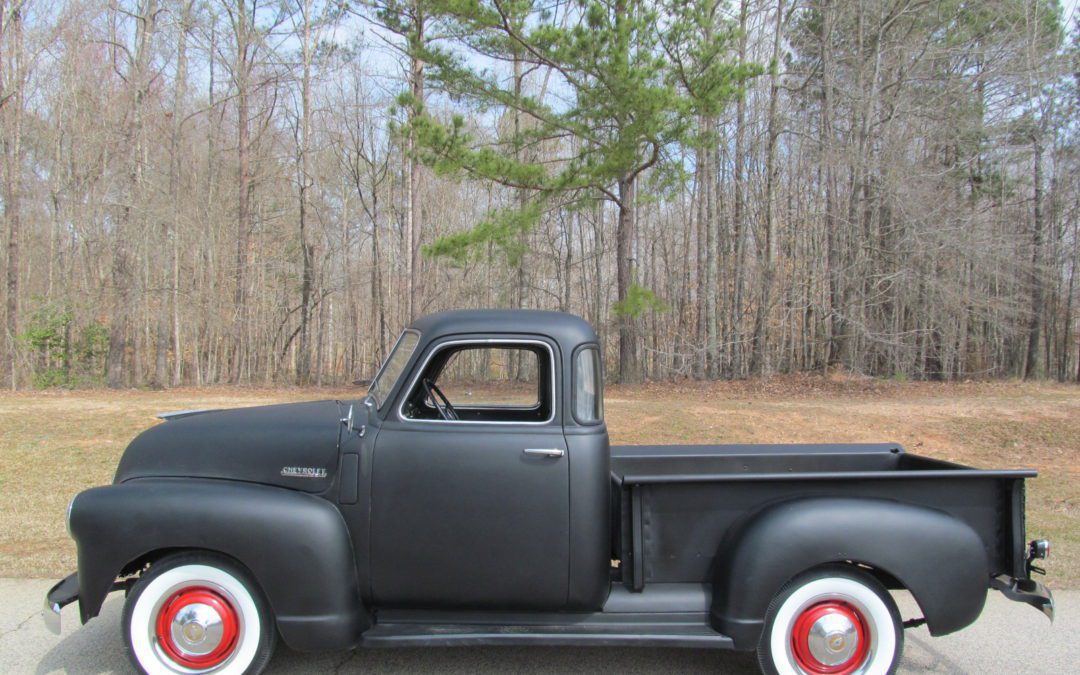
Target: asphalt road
[(1008, 638)]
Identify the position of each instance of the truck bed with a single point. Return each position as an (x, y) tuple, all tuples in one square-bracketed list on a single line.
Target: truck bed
[(676, 502)]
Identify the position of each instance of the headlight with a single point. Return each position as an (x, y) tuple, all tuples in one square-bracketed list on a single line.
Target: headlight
[(67, 517)]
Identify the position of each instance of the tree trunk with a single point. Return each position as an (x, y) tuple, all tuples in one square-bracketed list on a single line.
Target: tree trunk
[(1066, 338), (835, 276), (517, 362), (739, 219), (759, 364), (1031, 363), (598, 270), (709, 188), (376, 291), (167, 314), (414, 216), (303, 357), (629, 365), (139, 80), (242, 72), (11, 95), (700, 342)]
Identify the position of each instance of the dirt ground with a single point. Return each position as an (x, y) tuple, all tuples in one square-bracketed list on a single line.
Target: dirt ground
[(55, 444)]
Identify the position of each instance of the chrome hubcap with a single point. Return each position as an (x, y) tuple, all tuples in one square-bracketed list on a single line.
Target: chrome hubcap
[(833, 639), (197, 629)]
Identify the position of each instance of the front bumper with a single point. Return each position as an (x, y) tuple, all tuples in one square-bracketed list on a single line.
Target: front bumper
[(1027, 591), (59, 596)]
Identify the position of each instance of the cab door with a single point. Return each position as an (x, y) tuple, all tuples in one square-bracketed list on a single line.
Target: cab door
[(473, 512)]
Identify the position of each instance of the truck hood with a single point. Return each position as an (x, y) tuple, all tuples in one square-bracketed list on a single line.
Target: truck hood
[(293, 445)]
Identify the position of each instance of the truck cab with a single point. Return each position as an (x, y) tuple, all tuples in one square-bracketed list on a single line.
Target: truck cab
[(472, 497), (476, 454)]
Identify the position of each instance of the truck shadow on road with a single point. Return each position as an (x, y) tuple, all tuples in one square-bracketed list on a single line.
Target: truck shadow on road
[(96, 647), (921, 655), (516, 660)]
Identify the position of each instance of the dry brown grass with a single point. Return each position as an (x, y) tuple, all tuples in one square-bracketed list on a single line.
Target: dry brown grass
[(987, 425), (55, 444)]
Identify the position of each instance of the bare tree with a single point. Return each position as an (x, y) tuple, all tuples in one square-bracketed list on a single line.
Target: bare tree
[(12, 106), (138, 77), (196, 193)]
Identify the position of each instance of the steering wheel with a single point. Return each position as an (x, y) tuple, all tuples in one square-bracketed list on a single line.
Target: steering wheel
[(446, 410)]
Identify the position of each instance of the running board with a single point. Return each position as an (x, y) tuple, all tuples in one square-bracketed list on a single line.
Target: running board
[(644, 634)]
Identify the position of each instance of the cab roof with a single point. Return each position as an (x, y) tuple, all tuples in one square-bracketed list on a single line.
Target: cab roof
[(567, 330)]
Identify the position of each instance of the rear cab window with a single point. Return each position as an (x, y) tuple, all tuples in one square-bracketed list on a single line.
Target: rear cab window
[(588, 396)]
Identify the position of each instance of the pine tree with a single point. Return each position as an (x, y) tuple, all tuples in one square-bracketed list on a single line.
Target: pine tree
[(623, 109)]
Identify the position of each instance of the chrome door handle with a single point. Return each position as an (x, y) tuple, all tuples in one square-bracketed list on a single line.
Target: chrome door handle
[(545, 452)]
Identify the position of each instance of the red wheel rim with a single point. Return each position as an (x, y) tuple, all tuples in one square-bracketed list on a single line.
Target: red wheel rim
[(197, 598), (841, 613)]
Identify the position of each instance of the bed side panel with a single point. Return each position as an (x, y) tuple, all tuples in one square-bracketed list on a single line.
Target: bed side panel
[(683, 524)]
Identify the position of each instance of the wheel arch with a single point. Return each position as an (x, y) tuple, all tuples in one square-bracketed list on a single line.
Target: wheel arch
[(137, 565), (940, 560), (295, 546), (134, 569)]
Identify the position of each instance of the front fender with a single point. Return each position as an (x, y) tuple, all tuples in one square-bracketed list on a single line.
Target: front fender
[(296, 546), (938, 558)]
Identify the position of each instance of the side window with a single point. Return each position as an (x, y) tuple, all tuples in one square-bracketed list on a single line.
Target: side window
[(482, 382), (496, 377), (588, 386)]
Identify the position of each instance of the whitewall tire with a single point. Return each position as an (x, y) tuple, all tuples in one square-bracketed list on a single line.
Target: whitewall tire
[(193, 613), (836, 620)]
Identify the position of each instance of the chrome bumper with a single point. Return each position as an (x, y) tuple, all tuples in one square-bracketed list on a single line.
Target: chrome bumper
[(59, 596), (1027, 591)]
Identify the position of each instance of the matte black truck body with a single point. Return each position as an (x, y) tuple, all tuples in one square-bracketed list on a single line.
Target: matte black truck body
[(720, 515), (397, 520)]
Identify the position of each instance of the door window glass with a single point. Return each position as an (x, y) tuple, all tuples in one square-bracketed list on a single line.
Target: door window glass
[(495, 377), (484, 383)]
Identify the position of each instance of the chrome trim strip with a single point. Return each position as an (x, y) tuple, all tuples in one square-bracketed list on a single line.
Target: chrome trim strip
[(545, 452), (62, 594), (535, 406), (1026, 590), (479, 341), (67, 516), (178, 414)]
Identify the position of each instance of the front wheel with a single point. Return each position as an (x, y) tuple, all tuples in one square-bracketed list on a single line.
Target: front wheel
[(194, 613), (835, 620)]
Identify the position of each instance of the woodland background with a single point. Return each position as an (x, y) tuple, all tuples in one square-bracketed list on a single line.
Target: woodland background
[(266, 191)]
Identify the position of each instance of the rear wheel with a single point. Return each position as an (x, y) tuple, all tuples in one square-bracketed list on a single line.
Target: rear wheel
[(195, 613), (835, 620)]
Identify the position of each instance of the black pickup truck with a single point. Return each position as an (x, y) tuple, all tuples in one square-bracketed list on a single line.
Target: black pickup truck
[(472, 498)]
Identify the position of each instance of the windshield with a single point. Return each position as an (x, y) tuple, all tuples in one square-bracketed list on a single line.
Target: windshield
[(393, 367)]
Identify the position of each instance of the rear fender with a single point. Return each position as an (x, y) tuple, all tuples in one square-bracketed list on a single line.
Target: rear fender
[(296, 546), (936, 557)]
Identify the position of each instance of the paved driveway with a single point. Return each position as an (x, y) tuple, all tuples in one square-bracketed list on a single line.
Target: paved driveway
[(1008, 638)]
